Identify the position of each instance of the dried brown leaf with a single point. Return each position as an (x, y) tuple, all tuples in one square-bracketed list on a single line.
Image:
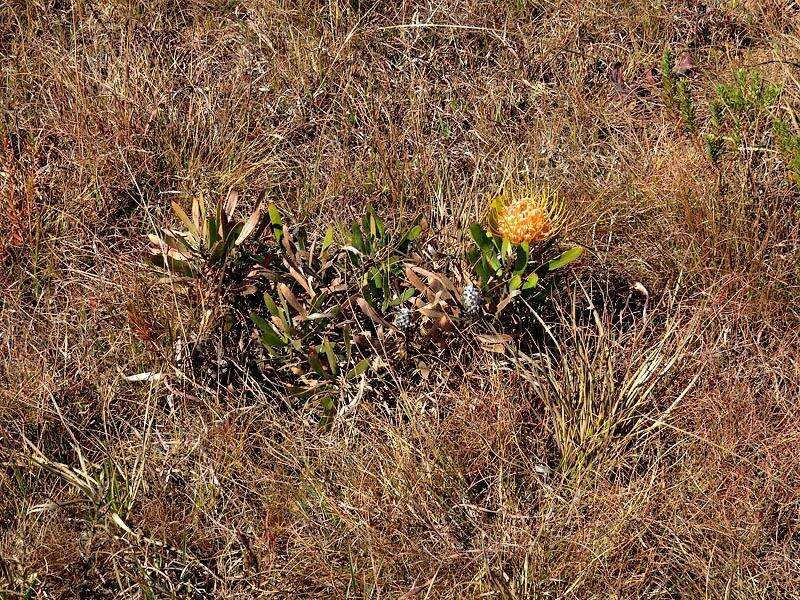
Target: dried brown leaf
[(684, 65), (618, 80), (287, 293)]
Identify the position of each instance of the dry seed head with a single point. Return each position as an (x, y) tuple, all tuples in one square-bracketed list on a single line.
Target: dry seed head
[(471, 299), (403, 318), (526, 215)]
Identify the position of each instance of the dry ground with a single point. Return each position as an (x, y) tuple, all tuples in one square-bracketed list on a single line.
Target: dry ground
[(455, 488)]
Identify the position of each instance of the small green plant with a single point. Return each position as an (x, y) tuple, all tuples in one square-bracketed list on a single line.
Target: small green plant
[(668, 79), (748, 94), (788, 143), (676, 88), (686, 105), (739, 114), (740, 120), (322, 358)]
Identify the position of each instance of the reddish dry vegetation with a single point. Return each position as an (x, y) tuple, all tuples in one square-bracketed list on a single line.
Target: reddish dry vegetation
[(567, 479)]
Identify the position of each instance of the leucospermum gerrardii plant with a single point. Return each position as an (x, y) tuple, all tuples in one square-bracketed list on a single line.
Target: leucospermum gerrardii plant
[(327, 304), (518, 250), (211, 238)]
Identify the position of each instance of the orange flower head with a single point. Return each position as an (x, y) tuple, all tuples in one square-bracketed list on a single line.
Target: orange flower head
[(532, 216)]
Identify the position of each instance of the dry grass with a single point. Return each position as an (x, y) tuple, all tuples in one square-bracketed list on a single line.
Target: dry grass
[(593, 472)]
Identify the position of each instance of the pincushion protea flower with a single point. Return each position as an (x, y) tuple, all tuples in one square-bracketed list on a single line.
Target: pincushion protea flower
[(525, 215)]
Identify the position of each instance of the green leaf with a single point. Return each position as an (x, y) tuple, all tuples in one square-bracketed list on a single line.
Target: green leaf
[(223, 246), (276, 221), (505, 247), (302, 392), (358, 370), (328, 412), (515, 283), (212, 231), (318, 303), (333, 361), (480, 237), (173, 265), (357, 239), (531, 281), (407, 293), (217, 251), (274, 215), (272, 341), (365, 224), (186, 220), (539, 293), (327, 240), (173, 241), (498, 243), (521, 261), (347, 338), (375, 224), (413, 233), (565, 258), (233, 235), (316, 364), (269, 336), (273, 308), (260, 322), (482, 272), (377, 278)]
